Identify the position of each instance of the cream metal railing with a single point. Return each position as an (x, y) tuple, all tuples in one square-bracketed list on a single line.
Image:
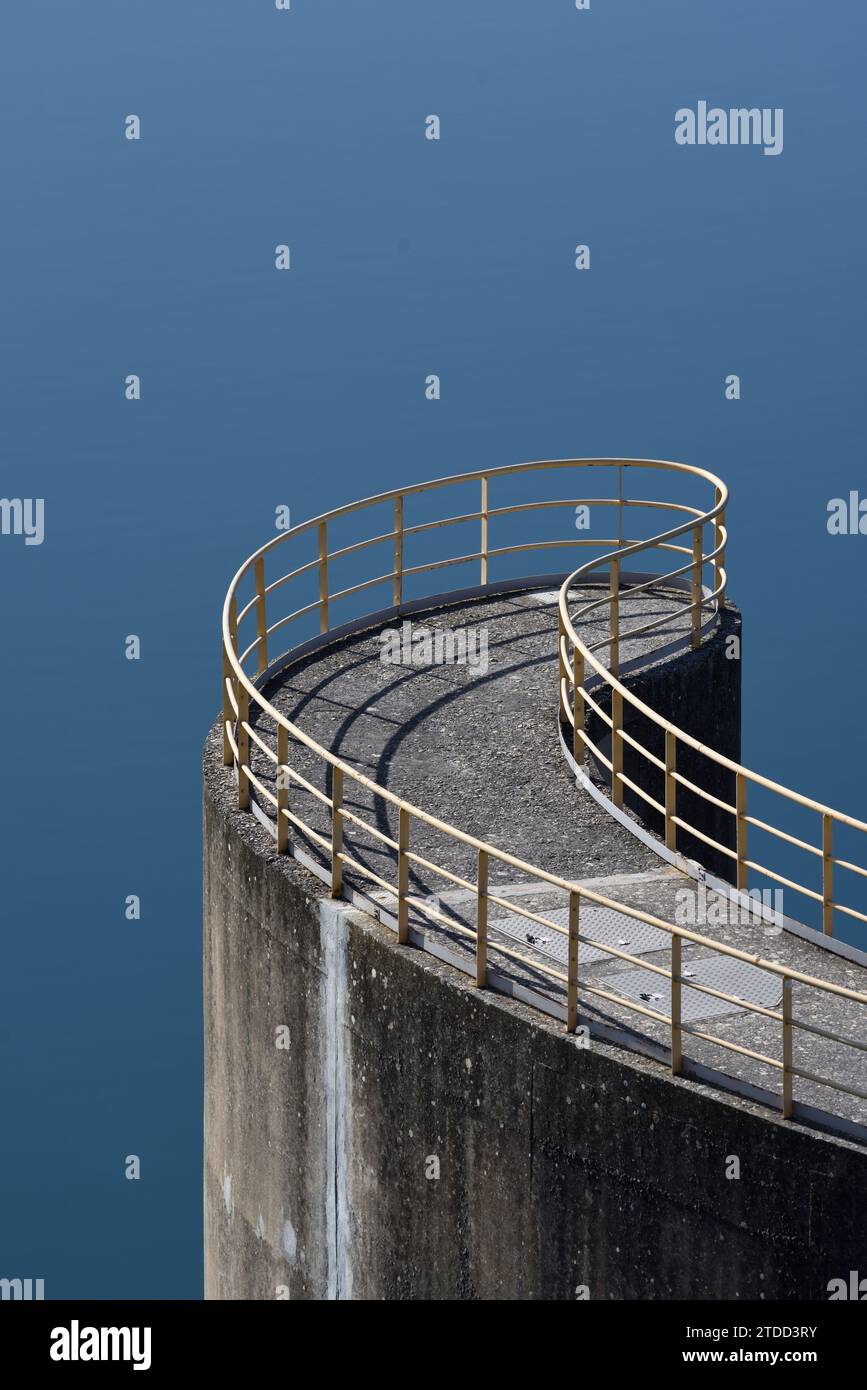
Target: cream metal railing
[(270, 732), (574, 671)]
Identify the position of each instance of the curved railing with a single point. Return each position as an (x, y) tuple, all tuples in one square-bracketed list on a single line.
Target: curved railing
[(622, 702), (251, 722)]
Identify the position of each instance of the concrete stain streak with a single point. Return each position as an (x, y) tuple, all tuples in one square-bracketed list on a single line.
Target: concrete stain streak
[(334, 929)]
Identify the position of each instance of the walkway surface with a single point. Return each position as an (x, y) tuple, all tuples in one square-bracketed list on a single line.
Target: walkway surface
[(477, 746)]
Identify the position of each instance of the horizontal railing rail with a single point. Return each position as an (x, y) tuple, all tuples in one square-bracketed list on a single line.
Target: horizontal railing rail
[(573, 672), (250, 722)]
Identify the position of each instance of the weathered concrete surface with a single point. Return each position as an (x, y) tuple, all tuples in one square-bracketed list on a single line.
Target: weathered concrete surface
[(265, 1123), (559, 1166), (481, 750)]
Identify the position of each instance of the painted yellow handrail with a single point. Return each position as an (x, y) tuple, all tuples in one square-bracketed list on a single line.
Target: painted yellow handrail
[(575, 672), (272, 732)]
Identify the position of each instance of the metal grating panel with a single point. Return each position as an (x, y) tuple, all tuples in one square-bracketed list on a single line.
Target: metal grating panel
[(735, 977), (598, 923), (602, 924)]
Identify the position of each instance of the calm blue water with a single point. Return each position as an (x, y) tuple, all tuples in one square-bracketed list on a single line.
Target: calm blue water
[(409, 257)]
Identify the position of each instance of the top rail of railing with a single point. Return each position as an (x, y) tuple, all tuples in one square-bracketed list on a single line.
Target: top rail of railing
[(575, 670), (270, 731)]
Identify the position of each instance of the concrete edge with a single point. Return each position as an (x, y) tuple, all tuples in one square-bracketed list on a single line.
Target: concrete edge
[(724, 1088)]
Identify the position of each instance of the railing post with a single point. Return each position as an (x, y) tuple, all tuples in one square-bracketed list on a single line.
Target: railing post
[(403, 877), (697, 561), (482, 921), (578, 747), (741, 830), (787, 1049), (484, 532), (676, 1033), (229, 679), (243, 748), (614, 609), (827, 875), (261, 616), (561, 633), (323, 576), (670, 789), (572, 967), (228, 712), (397, 583), (282, 790), (336, 831), (616, 747), (720, 562)]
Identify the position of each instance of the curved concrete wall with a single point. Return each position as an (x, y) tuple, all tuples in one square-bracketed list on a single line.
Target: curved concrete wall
[(412, 1137), (700, 692)]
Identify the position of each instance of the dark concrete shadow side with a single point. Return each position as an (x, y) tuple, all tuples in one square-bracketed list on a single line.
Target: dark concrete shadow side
[(699, 692)]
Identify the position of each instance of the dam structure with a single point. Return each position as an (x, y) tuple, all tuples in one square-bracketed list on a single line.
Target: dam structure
[(518, 983)]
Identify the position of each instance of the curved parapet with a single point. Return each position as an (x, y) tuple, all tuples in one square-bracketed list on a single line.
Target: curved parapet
[(461, 1040), (659, 748), (257, 736)]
